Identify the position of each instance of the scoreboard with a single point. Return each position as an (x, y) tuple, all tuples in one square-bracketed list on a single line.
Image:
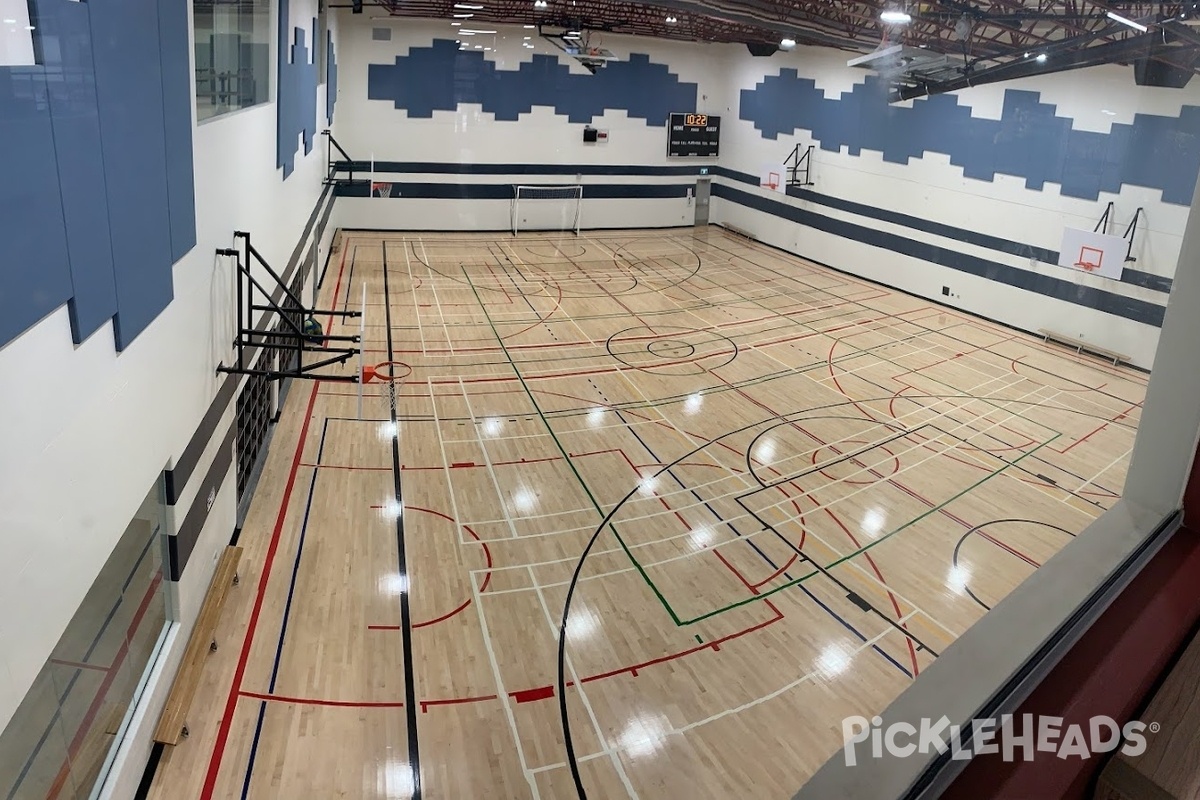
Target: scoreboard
[(694, 135)]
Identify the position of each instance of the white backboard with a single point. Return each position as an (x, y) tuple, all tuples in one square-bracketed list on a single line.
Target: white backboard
[(1094, 253)]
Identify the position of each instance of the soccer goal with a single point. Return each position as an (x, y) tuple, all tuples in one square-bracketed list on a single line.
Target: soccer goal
[(546, 208)]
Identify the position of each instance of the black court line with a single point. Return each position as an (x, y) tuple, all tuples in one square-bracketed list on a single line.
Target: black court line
[(410, 689)]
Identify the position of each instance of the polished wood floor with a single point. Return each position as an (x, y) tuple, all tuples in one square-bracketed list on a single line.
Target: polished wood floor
[(771, 493)]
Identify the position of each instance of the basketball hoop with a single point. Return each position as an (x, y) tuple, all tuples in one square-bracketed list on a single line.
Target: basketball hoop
[(381, 190), (1090, 259)]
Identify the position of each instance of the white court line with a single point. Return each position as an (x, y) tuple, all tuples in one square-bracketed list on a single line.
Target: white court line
[(413, 283), (487, 459)]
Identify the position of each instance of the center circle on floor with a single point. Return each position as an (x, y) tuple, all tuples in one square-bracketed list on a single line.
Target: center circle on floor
[(671, 349)]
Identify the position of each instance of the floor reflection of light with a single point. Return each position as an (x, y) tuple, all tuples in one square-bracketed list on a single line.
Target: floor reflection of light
[(391, 509), (387, 430), (648, 485), (873, 521), (393, 584), (643, 735), (764, 451), (957, 579), (701, 537), (524, 501), (833, 661), (491, 426), (693, 403), (595, 417), (582, 623), (396, 780)]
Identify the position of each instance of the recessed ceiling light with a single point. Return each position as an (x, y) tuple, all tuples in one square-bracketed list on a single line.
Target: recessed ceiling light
[(466, 33), (486, 49), (1041, 59), (895, 17), (470, 31), (455, 24), (468, 7), (540, 3), (671, 19), (478, 47), (527, 38), (572, 33), (787, 43), (463, 16), (528, 27)]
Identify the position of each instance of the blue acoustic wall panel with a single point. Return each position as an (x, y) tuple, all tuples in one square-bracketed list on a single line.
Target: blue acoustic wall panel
[(35, 277), (67, 51), (177, 124), (330, 77), (441, 77), (129, 91), (297, 100), (97, 199), (1029, 141)]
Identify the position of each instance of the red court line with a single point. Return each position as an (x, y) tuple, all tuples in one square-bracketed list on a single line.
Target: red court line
[(78, 665), (533, 695), (214, 764), (85, 725), (1084, 439), (312, 701)]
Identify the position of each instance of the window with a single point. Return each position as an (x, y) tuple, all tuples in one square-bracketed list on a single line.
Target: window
[(233, 55), (63, 735)]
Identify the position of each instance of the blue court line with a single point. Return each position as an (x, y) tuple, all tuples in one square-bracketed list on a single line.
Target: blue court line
[(287, 610), (24, 773)]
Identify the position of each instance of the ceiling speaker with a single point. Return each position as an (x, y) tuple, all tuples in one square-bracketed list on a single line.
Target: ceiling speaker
[(1152, 72), (759, 49)]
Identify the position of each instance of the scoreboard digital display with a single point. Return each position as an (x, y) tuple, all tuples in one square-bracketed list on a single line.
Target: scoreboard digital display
[(695, 135)]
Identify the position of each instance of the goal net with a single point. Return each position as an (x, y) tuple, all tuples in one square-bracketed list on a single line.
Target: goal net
[(546, 208)]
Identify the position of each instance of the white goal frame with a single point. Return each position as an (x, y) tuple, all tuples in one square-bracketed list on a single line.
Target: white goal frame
[(565, 193)]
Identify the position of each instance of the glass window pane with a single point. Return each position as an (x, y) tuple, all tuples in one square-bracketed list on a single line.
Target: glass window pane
[(232, 55)]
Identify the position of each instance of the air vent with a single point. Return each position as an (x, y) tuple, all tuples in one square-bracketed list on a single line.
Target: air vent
[(381, 34)]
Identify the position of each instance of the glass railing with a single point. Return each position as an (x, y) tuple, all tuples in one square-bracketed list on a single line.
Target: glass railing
[(60, 740)]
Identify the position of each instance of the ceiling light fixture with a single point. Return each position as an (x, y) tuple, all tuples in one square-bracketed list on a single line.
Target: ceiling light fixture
[(1041, 59), (463, 16), (540, 4), (527, 38), (455, 24), (469, 31), (468, 7), (528, 27), (895, 17), (1115, 17), (10, 22), (787, 43), (671, 20)]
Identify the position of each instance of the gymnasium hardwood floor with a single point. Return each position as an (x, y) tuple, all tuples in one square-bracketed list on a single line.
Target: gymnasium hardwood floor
[(771, 494)]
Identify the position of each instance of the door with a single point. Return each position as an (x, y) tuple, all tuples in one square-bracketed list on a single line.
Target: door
[(703, 185)]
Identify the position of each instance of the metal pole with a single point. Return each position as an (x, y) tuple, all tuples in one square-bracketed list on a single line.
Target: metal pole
[(362, 334)]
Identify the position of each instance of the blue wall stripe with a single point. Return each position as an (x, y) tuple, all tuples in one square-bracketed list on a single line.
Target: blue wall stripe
[(80, 166), (129, 91), (1132, 277), (504, 191), (177, 125), (1057, 288), (36, 274)]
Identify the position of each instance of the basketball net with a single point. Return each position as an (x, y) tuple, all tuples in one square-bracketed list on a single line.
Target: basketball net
[(381, 189)]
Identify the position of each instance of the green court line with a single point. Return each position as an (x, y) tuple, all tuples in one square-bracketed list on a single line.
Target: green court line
[(567, 457), (865, 548), (762, 595)]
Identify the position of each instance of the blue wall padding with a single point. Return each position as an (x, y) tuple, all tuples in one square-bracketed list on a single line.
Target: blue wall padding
[(177, 125), (80, 170), (1029, 141), (297, 97), (130, 94), (36, 276), (330, 77), (97, 199), (441, 77)]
